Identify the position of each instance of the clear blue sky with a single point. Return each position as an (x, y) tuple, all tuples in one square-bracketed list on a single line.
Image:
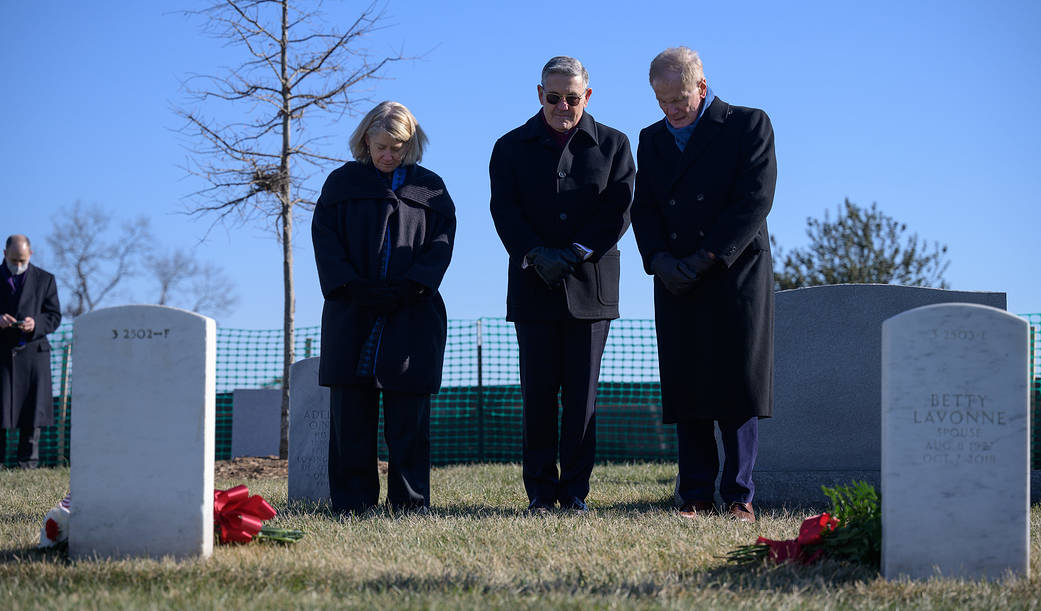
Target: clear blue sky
[(926, 107)]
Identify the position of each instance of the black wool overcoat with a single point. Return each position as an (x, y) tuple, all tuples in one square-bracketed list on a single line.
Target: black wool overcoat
[(542, 196), (352, 216), (25, 371), (715, 344)]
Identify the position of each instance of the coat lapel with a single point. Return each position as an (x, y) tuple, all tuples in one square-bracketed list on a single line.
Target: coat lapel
[(710, 125), (28, 290), (421, 189), (667, 149), (362, 181)]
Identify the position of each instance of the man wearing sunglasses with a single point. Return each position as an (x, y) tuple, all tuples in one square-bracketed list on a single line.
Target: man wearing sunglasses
[(561, 186)]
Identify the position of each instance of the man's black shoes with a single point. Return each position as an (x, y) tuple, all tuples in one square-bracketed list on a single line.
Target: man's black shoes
[(539, 507), (575, 505)]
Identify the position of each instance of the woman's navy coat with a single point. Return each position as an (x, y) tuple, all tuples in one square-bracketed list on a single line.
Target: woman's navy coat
[(354, 211)]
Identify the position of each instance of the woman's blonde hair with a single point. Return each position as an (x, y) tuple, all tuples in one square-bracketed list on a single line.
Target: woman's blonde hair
[(396, 120)]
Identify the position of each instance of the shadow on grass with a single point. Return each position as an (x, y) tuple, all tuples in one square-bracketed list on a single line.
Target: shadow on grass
[(764, 578), (54, 555), (665, 504), (769, 576), (302, 508), (462, 510), (662, 504)]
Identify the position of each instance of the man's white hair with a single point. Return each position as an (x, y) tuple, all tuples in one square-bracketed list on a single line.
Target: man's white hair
[(678, 62)]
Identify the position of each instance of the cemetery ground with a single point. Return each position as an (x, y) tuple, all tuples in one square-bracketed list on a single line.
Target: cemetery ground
[(477, 547)]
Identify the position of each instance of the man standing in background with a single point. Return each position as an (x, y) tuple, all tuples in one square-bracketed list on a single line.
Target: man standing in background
[(29, 310), (561, 186)]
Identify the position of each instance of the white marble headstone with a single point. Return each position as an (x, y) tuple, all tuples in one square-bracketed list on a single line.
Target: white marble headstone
[(955, 444), (142, 438), (308, 433), (256, 421)]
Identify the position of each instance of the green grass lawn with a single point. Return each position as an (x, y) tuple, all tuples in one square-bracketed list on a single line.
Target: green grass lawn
[(478, 547)]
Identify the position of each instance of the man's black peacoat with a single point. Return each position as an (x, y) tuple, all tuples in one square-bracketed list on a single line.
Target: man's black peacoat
[(544, 197), (715, 343), (350, 221), (25, 369)]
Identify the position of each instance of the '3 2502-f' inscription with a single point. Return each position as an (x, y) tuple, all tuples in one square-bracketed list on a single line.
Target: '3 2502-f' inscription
[(140, 333)]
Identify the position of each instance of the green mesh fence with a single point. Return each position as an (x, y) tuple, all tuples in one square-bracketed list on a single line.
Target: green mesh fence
[(252, 358), (477, 415), (1035, 388)]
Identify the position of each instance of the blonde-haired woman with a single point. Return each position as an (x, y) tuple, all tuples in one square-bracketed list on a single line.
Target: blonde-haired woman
[(383, 232)]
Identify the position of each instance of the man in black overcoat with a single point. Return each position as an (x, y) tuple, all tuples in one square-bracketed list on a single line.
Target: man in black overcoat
[(705, 185), (29, 310), (561, 187)]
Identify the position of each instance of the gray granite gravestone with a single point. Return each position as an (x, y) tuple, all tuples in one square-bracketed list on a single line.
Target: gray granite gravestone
[(256, 420), (955, 443), (826, 428), (142, 438), (308, 433)]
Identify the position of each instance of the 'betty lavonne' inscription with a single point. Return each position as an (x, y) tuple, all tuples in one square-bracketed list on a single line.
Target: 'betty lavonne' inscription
[(142, 434), (955, 460)]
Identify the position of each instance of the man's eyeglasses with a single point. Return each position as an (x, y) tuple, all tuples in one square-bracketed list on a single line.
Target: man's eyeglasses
[(572, 100)]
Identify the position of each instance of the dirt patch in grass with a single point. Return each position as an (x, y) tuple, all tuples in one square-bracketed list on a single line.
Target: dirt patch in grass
[(259, 467), (249, 467)]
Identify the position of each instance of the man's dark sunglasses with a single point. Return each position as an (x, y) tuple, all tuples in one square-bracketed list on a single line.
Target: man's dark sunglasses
[(572, 100)]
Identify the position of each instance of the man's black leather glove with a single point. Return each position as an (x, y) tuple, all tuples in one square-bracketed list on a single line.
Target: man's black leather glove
[(667, 268), (552, 264), (698, 264)]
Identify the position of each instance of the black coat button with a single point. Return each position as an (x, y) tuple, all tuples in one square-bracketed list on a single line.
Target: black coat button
[(561, 174), (563, 216), (701, 196), (672, 202), (672, 236)]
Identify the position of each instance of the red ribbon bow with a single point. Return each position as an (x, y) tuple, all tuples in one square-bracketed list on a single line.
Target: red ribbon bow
[(809, 534), (239, 515)]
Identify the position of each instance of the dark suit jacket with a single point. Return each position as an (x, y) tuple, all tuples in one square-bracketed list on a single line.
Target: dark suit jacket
[(25, 370), (353, 213), (544, 197), (715, 344)]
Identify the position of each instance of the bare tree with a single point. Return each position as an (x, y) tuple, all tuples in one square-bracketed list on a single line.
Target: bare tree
[(90, 258), (199, 287), (170, 271), (293, 67)]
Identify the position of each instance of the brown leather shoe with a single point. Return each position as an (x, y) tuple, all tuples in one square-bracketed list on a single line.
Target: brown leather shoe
[(691, 510), (742, 512)]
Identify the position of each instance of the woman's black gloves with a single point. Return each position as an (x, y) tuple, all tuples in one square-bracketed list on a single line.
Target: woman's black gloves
[(381, 297)]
